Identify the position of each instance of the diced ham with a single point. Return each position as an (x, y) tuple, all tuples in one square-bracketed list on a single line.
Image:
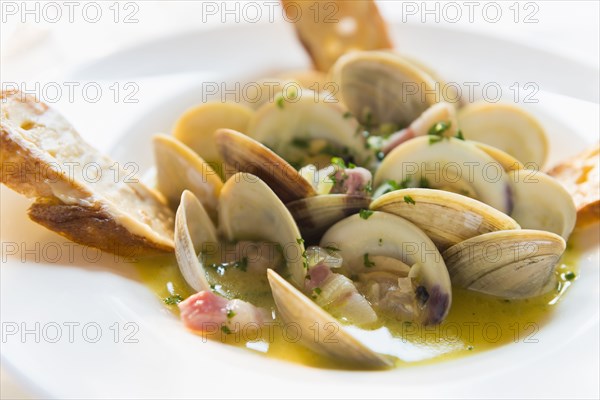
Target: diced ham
[(352, 181), (205, 310)]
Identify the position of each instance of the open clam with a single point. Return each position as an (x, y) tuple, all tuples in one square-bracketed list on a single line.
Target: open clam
[(295, 308), (447, 218), (307, 127), (193, 230), (315, 215), (381, 87), (426, 290), (195, 128), (449, 164), (306, 196), (247, 155), (541, 202), (249, 210), (508, 128), (508, 264), (179, 168)]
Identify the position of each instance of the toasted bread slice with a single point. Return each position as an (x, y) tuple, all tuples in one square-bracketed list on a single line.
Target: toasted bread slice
[(80, 193), (328, 29), (581, 177)]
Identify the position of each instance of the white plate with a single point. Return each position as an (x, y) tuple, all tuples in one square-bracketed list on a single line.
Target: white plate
[(62, 287)]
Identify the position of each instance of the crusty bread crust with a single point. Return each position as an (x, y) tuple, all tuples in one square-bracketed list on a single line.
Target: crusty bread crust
[(90, 226), (581, 177), (359, 26), (36, 143)]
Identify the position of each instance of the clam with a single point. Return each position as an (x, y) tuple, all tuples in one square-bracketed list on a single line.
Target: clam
[(179, 168), (381, 87), (508, 264), (541, 202), (299, 190), (449, 164), (193, 230), (249, 210), (508, 128), (358, 239), (308, 128), (316, 214), (447, 218), (316, 326), (508, 162), (247, 155), (195, 128)]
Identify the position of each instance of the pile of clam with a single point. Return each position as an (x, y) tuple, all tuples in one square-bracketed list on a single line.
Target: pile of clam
[(378, 201)]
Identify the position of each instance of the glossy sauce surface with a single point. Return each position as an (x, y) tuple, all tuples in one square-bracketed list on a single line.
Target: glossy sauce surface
[(476, 322)]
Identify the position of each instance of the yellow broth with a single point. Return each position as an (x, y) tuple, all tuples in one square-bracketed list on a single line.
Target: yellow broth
[(476, 322)]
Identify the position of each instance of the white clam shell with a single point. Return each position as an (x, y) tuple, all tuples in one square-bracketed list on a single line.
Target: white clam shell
[(509, 264), (447, 218), (249, 210), (507, 127), (449, 163)]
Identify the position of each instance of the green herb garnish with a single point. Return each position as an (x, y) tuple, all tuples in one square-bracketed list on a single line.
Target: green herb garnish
[(331, 248), (424, 183), (365, 214), (317, 291), (280, 102), (172, 300), (409, 200), (300, 241), (366, 262), (347, 115), (570, 275), (436, 132), (225, 330), (230, 314), (459, 135)]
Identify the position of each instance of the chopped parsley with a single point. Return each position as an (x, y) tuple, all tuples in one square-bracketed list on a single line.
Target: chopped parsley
[(347, 115), (369, 188), (331, 248), (225, 330), (280, 102), (436, 132), (409, 200), (366, 262), (569, 275), (172, 300), (230, 314), (380, 243), (316, 293), (300, 241), (469, 348), (380, 155), (341, 163), (459, 135), (365, 214)]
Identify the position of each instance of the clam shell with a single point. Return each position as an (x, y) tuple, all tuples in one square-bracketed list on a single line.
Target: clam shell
[(245, 154), (314, 215), (179, 168), (448, 164), (508, 128), (383, 234), (306, 116), (249, 210), (195, 128), (193, 230), (295, 308), (447, 218), (541, 202), (391, 89), (509, 264)]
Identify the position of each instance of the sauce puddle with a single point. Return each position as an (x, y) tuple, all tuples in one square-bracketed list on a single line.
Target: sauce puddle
[(476, 322)]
